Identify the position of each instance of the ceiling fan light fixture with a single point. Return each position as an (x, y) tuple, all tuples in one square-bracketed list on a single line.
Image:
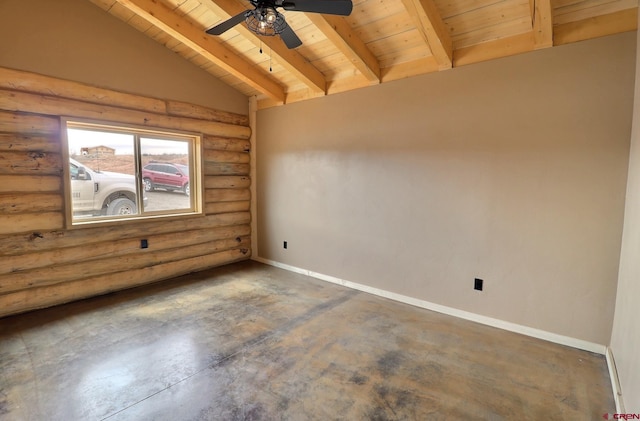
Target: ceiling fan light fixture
[(265, 21), (271, 15)]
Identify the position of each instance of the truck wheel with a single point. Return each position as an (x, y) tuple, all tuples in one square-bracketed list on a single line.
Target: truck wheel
[(148, 185), (186, 190), (122, 206)]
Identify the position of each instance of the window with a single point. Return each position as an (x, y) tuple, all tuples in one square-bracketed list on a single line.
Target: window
[(118, 173)]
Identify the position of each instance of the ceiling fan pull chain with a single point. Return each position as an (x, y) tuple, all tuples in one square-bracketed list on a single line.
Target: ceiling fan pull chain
[(260, 46), (270, 69)]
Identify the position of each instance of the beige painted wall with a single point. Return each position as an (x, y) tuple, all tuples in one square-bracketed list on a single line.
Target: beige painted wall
[(625, 340), (76, 40), (513, 171)]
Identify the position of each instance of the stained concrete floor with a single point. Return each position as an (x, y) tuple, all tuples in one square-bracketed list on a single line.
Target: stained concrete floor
[(252, 342)]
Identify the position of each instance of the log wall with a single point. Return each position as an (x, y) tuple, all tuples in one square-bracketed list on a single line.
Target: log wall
[(41, 262)]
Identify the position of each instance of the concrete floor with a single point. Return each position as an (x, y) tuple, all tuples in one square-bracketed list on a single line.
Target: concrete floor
[(251, 342)]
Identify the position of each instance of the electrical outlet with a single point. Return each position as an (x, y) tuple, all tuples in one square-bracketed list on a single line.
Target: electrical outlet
[(477, 284), (284, 245), (144, 244)]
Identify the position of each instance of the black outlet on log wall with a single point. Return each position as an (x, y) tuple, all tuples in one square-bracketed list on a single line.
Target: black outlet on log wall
[(477, 284), (144, 244)]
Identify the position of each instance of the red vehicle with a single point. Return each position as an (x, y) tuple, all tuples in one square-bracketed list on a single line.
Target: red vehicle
[(167, 176)]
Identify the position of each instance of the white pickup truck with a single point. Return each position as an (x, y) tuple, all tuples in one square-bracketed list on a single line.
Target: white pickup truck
[(101, 193)]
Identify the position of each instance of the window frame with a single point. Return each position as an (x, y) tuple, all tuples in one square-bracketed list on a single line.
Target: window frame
[(196, 175)]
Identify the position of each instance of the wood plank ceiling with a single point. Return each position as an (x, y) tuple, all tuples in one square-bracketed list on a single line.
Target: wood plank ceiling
[(381, 41)]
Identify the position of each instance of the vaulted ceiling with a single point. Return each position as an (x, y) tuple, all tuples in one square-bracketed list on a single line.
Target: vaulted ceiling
[(381, 41)]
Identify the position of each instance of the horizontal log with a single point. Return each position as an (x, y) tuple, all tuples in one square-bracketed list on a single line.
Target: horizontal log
[(29, 222), (23, 81), (19, 80), (142, 258), (69, 291), (226, 144), (30, 183), (227, 182), (26, 124), (226, 195), (122, 247), (42, 104), (42, 163), (226, 156), (223, 168), (30, 203), (225, 207), (183, 109), (54, 264), (34, 143), (43, 239)]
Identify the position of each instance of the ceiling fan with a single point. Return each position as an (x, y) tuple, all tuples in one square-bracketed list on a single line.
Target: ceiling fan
[(265, 20)]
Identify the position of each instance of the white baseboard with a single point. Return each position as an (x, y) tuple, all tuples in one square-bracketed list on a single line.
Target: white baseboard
[(615, 381), (489, 321)]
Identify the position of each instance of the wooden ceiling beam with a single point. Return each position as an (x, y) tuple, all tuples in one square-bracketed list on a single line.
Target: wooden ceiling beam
[(503, 47), (542, 23), (420, 66), (429, 23), (289, 59), (597, 26), (338, 31), (205, 45), (417, 67)]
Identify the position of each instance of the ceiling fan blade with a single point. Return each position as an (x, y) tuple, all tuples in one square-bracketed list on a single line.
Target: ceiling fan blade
[(227, 24), (328, 7), (289, 37)]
